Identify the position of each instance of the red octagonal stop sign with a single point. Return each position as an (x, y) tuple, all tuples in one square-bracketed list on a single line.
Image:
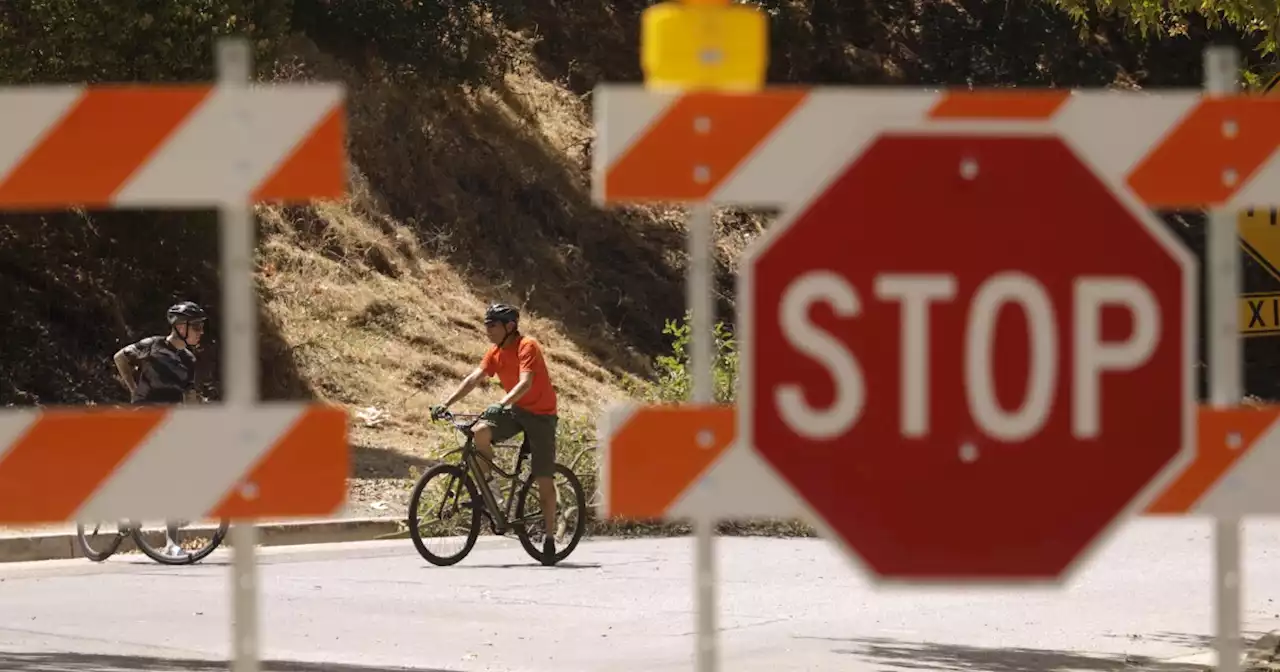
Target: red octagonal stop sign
[(969, 357)]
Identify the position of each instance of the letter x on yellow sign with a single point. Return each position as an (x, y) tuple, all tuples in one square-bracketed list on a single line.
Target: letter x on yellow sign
[(1260, 314)]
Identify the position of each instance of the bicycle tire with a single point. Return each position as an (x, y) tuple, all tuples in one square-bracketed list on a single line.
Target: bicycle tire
[(473, 530), (189, 559), (580, 497), (97, 556)]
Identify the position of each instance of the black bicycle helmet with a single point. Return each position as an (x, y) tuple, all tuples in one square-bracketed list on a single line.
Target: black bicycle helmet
[(501, 312), (186, 311)]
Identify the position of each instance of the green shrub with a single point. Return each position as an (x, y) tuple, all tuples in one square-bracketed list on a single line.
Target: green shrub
[(674, 379)]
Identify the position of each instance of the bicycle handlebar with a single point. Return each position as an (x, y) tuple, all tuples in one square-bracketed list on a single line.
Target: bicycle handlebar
[(463, 425)]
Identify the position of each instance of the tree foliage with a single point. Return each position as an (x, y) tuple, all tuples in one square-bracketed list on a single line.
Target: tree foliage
[(164, 40), (1259, 18), (129, 40), (430, 39)]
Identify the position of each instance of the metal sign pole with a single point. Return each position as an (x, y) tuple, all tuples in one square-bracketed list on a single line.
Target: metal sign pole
[(239, 356), (701, 300), (1221, 65)]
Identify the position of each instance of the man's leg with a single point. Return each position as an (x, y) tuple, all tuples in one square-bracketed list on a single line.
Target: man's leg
[(541, 431), (482, 434), (171, 546), (494, 430), (547, 495)]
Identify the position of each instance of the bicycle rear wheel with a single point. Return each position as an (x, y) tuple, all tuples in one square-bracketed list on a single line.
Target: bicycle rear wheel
[(103, 545), (195, 547), (571, 515), (443, 506)]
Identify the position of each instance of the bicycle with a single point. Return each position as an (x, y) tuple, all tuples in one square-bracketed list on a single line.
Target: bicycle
[(134, 531), (528, 526)]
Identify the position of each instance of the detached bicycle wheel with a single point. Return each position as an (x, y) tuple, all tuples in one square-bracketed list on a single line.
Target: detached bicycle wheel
[(571, 515), (101, 542), (444, 514), (194, 547)]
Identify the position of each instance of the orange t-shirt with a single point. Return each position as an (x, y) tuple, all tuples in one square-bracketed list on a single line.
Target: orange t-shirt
[(524, 354)]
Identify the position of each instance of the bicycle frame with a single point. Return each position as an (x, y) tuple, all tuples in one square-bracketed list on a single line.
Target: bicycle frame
[(471, 457)]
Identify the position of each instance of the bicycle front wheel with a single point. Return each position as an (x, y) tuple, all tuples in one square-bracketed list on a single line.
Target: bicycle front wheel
[(571, 515), (192, 548), (444, 510)]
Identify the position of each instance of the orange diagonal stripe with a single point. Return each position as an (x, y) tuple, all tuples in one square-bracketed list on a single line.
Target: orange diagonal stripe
[(697, 143), (304, 473), (315, 169), (1214, 454), (1236, 135), (660, 451), (87, 156), (63, 457), (1015, 104)]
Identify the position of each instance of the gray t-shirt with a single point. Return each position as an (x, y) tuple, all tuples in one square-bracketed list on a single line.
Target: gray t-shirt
[(165, 372)]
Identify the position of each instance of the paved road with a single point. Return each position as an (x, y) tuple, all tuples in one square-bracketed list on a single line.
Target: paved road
[(1143, 604)]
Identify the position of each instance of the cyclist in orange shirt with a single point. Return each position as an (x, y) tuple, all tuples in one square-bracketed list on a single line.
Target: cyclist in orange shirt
[(529, 406)]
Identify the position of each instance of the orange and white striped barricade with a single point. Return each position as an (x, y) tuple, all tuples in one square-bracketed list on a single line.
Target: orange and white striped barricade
[(71, 464), (681, 460), (1235, 469), (781, 146), (174, 146)]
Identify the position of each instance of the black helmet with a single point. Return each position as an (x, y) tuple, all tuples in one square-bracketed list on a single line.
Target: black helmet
[(185, 312), (501, 312)]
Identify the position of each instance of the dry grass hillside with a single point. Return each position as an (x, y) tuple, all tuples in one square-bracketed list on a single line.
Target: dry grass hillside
[(471, 188)]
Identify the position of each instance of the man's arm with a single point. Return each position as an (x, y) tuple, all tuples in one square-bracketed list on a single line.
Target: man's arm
[(526, 382), (465, 387), (530, 356), (124, 364)]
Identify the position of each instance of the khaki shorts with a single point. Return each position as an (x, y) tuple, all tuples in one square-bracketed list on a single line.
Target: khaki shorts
[(540, 430)]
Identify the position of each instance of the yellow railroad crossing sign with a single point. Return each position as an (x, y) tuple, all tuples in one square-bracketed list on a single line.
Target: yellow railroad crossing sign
[(1259, 232)]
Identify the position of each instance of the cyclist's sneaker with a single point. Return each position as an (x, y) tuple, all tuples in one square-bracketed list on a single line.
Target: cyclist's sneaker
[(549, 551), (173, 550)]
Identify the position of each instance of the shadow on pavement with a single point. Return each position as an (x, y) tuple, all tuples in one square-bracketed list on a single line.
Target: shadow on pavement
[(85, 662), (902, 655)]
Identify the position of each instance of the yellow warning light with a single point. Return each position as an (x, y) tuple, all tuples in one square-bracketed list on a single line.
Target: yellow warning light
[(704, 44)]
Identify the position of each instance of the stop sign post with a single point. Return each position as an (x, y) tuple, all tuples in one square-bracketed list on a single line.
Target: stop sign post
[(955, 353)]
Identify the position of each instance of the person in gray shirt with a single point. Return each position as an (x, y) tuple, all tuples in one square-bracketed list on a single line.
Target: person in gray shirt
[(162, 369)]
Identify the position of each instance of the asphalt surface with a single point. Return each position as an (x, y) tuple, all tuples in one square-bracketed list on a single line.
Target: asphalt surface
[(1143, 603)]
